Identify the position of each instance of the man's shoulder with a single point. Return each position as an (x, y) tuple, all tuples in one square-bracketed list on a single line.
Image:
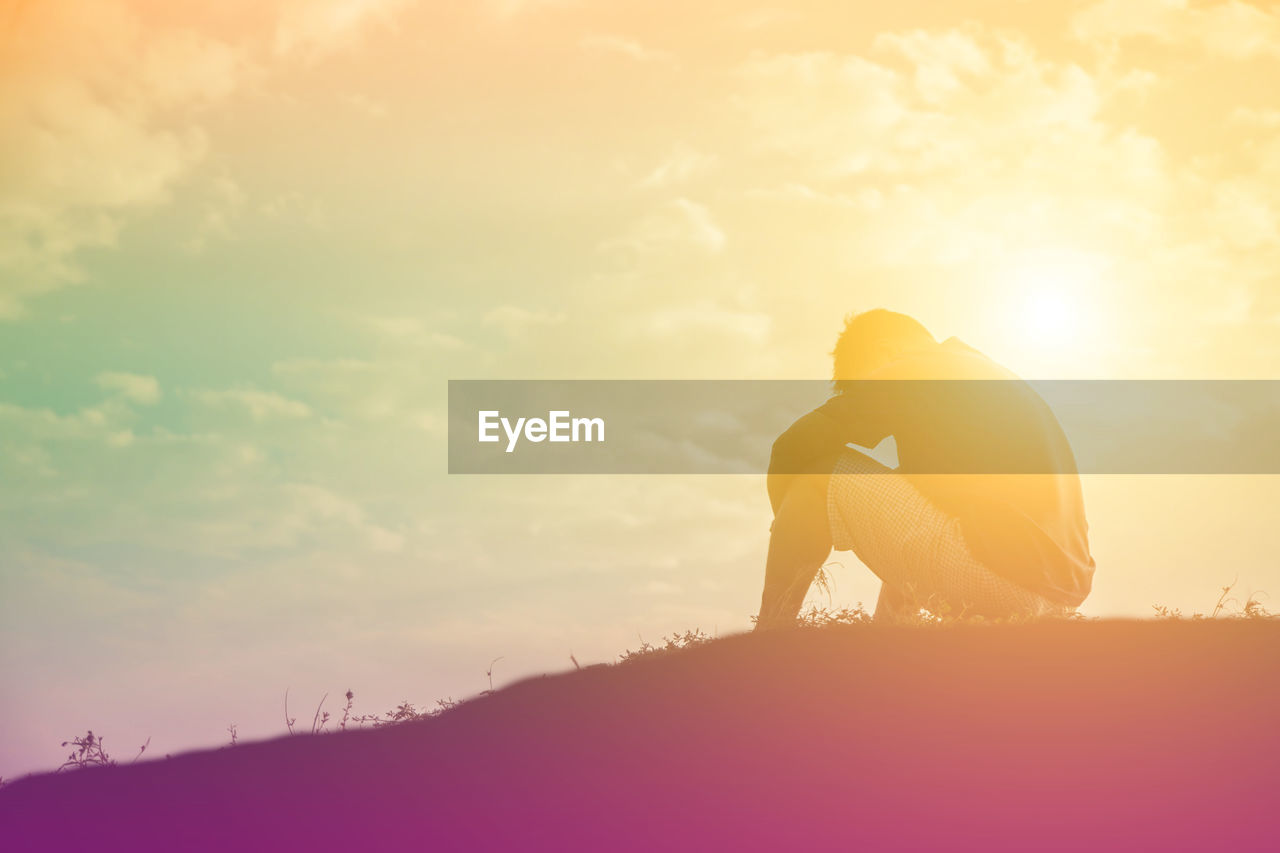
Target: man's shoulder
[(950, 359)]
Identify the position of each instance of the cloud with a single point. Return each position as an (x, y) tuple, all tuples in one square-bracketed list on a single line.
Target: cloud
[(223, 495), (515, 321), (657, 587), (973, 109), (48, 425), (313, 506), (260, 405), (505, 10), (867, 199), (942, 61), (412, 331), (95, 108), (1266, 119), (681, 164), (964, 99), (765, 18), (836, 106), (372, 107), (697, 223), (1232, 30), (677, 225), (702, 318), (395, 389), (102, 114), (224, 199), (131, 386), (317, 27), (182, 66), (1243, 214), (630, 48)]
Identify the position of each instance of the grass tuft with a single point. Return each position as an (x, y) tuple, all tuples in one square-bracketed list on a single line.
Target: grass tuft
[(1227, 607)]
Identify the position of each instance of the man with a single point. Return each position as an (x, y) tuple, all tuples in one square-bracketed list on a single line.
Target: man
[(984, 514)]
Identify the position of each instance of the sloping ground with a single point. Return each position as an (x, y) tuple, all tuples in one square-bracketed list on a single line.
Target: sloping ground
[(1108, 735)]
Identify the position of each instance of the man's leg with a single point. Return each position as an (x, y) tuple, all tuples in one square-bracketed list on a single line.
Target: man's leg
[(799, 543), (891, 605), (915, 548)]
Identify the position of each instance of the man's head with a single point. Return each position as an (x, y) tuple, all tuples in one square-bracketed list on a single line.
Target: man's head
[(873, 339)]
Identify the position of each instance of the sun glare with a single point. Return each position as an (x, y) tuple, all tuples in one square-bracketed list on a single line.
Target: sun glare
[(1048, 292), (1056, 309), (1049, 313)]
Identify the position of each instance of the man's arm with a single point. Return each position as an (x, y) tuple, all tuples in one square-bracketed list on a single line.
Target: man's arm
[(800, 538), (803, 448)]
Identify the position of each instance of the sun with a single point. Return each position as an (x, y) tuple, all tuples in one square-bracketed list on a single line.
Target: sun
[(1054, 310), (1047, 293), (1050, 312)]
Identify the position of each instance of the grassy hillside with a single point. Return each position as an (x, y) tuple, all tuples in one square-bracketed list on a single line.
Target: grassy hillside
[(1102, 735)]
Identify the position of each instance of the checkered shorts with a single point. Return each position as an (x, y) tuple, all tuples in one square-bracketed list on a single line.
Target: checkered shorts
[(916, 549)]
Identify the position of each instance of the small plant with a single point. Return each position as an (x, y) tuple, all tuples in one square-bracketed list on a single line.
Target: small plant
[(824, 581), (672, 643), (825, 617), (319, 721), (1253, 608), (1227, 607), (489, 674), (88, 751), (346, 711), (405, 712)]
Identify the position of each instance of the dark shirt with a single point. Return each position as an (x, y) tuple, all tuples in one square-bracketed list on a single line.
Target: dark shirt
[(988, 451)]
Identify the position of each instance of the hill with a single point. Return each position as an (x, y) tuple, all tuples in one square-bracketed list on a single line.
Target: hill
[(1101, 735)]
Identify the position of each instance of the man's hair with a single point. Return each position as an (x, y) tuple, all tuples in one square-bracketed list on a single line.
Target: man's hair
[(872, 335)]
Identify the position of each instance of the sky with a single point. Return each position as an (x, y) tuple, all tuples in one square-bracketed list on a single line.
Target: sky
[(244, 245)]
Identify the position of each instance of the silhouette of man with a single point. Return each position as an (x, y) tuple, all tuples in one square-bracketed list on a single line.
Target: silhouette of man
[(984, 514)]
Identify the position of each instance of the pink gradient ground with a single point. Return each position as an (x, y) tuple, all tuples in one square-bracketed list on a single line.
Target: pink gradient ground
[(1100, 736)]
